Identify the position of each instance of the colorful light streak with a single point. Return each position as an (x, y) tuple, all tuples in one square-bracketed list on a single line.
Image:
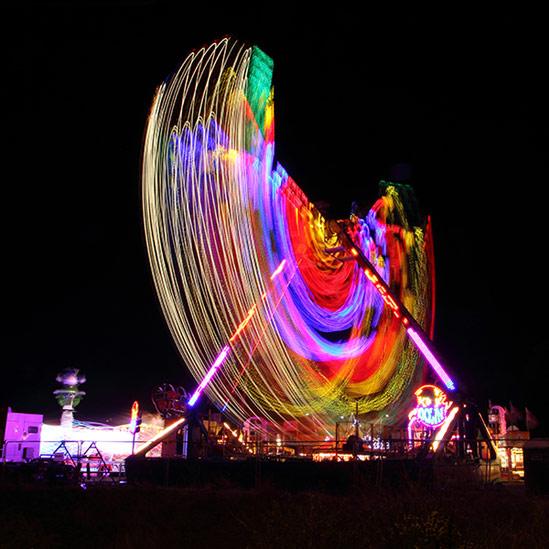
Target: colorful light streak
[(400, 312), (431, 359), (218, 362), (241, 262), (223, 355)]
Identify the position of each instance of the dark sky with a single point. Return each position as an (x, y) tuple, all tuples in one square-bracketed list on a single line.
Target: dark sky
[(459, 98)]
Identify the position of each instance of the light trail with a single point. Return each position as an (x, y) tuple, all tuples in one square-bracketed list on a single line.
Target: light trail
[(218, 362), (400, 312), (225, 351), (221, 218), (443, 429), (431, 359), (159, 437)]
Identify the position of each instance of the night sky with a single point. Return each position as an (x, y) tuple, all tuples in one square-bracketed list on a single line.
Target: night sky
[(453, 104)]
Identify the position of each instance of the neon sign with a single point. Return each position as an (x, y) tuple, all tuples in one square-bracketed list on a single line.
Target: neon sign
[(431, 408), (431, 416)]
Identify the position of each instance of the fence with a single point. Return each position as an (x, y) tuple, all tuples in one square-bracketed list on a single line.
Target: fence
[(92, 465), (82, 459)]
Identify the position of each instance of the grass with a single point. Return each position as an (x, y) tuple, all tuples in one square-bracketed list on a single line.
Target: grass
[(130, 516)]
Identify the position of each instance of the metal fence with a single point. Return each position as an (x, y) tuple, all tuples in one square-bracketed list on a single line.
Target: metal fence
[(91, 465), (82, 459)]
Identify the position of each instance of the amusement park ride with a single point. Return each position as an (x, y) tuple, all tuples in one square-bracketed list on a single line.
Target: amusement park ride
[(435, 418), (283, 317)]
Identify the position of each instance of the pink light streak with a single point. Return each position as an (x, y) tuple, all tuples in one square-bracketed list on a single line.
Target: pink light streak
[(218, 361), (225, 351), (431, 359)]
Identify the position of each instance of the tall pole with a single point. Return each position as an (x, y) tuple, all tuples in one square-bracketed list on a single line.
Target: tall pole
[(135, 422), (356, 419), (337, 438)]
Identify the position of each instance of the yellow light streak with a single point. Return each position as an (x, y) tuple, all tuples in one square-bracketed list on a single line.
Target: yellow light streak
[(159, 437), (439, 437)]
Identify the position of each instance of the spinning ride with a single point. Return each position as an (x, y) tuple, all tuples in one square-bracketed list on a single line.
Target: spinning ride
[(277, 312)]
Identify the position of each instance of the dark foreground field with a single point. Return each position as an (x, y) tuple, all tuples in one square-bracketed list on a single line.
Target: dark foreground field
[(126, 516)]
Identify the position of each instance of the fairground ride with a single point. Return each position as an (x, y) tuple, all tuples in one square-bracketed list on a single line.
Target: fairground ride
[(278, 313)]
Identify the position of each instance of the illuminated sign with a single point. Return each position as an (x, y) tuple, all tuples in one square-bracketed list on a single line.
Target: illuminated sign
[(431, 415), (431, 407)]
